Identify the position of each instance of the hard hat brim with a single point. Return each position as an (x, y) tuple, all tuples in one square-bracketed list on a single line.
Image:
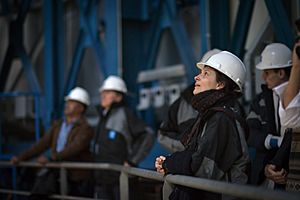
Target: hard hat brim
[(260, 66), (201, 65), (71, 99)]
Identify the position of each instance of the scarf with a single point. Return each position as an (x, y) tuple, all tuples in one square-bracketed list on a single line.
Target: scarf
[(202, 102)]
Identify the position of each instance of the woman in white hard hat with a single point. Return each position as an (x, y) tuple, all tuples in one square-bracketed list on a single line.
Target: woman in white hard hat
[(181, 115), (215, 146), (121, 137)]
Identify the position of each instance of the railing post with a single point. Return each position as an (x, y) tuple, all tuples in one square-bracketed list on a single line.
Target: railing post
[(124, 186), (167, 189), (63, 181)]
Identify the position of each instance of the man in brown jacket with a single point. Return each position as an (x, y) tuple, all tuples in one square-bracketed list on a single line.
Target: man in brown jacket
[(68, 140)]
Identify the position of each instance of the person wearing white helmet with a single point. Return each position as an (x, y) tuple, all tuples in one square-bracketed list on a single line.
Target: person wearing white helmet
[(215, 145), (121, 137), (181, 115), (266, 131), (68, 139)]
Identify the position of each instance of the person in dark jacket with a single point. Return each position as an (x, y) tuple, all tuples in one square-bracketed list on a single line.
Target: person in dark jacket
[(215, 146), (69, 140), (121, 137), (266, 131), (181, 115)]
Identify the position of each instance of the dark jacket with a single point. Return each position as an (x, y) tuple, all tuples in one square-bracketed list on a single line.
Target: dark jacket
[(120, 137), (217, 150), (77, 147), (261, 122)]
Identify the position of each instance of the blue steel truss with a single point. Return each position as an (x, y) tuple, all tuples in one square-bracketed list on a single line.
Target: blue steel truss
[(167, 17), (88, 37), (280, 22), (54, 60), (16, 50)]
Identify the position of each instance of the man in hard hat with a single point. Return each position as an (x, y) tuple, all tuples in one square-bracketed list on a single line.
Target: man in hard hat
[(266, 131), (69, 140), (121, 137)]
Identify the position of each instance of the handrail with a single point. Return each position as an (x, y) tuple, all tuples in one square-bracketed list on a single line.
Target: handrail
[(244, 191)]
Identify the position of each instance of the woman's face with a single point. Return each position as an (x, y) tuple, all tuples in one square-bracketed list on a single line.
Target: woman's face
[(108, 97), (206, 80)]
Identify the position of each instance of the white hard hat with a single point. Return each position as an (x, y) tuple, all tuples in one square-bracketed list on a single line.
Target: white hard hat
[(275, 56), (114, 83), (228, 64), (208, 54), (79, 94)]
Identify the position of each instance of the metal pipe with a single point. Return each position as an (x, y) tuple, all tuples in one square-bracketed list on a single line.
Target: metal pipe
[(243, 191)]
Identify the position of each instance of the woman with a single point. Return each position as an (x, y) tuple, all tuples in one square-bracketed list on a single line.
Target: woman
[(215, 146)]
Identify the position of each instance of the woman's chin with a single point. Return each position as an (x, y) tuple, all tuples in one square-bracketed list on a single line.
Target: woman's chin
[(196, 91)]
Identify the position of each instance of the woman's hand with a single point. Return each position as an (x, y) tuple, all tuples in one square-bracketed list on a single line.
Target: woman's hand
[(158, 164)]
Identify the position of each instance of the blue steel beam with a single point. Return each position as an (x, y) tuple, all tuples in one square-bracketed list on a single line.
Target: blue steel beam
[(112, 37), (54, 60), (29, 71), (242, 23), (79, 50), (182, 42), (156, 33), (280, 22), (204, 25), (59, 55), (219, 24), (88, 37)]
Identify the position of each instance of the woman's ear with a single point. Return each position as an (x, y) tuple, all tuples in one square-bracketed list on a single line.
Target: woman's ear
[(220, 85)]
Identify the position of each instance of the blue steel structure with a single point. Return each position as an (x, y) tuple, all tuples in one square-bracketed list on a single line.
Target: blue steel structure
[(88, 38), (54, 60), (16, 50), (280, 22), (204, 25), (219, 23), (143, 22), (156, 16), (241, 27)]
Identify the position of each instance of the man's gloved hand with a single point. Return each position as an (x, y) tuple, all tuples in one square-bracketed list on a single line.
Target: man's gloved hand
[(278, 176)]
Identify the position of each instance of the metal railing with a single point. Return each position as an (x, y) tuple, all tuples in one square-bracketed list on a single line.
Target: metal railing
[(242, 191)]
